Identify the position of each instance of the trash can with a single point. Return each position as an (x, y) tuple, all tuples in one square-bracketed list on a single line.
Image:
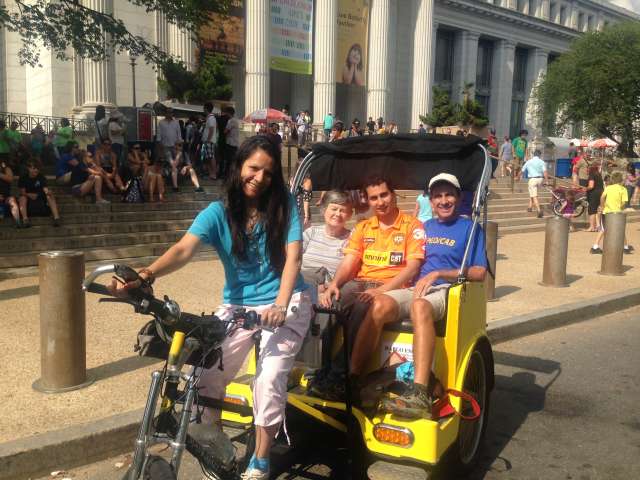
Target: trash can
[(563, 167)]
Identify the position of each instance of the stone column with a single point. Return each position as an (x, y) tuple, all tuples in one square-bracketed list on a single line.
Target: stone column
[(423, 40), (545, 9), (95, 82), (257, 55), (324, 62), (465, 64), (536, 68), (573, 22), (379, 59), (599, 21), (432, 68), (510, 4), (182, 45), (502, 86)]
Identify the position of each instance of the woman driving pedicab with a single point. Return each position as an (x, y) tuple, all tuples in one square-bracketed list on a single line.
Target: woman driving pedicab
[(257, 234)]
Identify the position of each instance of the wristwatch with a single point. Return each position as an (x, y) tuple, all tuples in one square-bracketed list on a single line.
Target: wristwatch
[(281, 308), (150, 276)]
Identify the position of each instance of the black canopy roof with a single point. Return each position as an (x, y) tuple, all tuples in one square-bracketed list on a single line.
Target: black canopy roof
[(408, 160)]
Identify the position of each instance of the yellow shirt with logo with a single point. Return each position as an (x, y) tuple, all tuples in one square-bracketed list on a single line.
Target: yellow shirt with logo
[(616, 198), (384, 253)]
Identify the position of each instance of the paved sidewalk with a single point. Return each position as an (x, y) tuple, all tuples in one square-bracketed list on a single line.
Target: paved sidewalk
[(122, 378)]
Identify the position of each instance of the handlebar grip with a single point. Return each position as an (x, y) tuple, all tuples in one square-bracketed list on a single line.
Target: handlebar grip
[(99, 289)]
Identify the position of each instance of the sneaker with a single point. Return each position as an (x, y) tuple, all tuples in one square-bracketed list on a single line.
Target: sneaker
[(56, 222), (26, 224), (413, 403), (199, 190), (329, 388), (540, 214), (18, 224), (627, 249), (529, 210), (254, 474), (102, 201), (596, 250)]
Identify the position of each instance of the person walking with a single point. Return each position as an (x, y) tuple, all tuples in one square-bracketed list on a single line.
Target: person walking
[(612, 200), (209, 140), (232, 139), (328, 125), (536, 171), (595, 187), (519, 148), (505, 157)]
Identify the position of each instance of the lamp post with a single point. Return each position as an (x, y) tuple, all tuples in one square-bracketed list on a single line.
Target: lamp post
[(132, 62)]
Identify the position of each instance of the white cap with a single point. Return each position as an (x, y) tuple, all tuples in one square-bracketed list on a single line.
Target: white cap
[(445, 177)]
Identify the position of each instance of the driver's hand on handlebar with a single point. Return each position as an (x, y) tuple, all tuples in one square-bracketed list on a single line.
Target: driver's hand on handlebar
[(120, 289), (327, 297), (273, 317)]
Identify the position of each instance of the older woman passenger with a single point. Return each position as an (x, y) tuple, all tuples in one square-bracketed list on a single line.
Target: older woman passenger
[(322, 244)]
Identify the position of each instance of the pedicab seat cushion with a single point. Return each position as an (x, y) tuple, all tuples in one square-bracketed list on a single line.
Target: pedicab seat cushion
[(405, 326)]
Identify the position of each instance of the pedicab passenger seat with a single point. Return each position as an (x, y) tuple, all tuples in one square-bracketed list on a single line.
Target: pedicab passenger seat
[(405, 325)]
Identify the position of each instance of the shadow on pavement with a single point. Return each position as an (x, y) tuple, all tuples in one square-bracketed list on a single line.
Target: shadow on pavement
[(572, 278), (513, 399), (121, 366), (504, 290), (13, 293)]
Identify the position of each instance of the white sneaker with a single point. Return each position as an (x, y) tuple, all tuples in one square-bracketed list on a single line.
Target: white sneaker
[(104, 200), (254, 474)]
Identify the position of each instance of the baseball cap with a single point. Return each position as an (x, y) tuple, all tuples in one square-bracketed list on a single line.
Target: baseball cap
[(445, 177)]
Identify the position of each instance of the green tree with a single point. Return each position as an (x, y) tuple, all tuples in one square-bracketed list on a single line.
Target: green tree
[(443, 111), (470, 112), (65, 26), (596, 82), (212, 80)]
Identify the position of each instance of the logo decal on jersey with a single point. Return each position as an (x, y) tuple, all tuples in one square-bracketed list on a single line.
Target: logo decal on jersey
[(395, 258), (450, 242), (418, 233), (375, 257), (398, 239), (369, 240)]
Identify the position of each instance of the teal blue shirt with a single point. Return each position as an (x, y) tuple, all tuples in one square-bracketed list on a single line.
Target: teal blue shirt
[(252, 281), (328, 122), (424, 205)]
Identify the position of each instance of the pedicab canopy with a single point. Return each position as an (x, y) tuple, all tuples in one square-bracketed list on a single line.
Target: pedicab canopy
[(408, 160)]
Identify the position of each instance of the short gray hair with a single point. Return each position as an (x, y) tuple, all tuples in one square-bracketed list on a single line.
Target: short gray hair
[(338, 197)]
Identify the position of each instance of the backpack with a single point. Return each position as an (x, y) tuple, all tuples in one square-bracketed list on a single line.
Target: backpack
[(134, 192)]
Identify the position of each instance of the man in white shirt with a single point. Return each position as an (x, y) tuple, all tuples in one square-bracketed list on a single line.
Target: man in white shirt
[(232, 136), (209, 139), (168, 135), (536, 171)]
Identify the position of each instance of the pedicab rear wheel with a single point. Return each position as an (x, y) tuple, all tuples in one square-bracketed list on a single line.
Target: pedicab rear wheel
[(465, 452)]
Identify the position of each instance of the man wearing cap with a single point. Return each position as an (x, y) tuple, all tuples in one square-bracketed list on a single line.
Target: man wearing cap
[(425, 303)]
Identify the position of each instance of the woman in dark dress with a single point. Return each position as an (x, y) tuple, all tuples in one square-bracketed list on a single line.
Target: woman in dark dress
[(595, 187)]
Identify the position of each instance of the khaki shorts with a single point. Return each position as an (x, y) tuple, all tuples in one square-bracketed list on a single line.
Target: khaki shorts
[(534, 184), (436, 296)]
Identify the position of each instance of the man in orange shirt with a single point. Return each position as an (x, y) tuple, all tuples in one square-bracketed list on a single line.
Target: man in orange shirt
[(384, 253)]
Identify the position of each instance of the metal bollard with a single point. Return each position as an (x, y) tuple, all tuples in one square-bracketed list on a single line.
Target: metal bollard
[(492, 254), (62, 323), (613, 243), (556, 243)]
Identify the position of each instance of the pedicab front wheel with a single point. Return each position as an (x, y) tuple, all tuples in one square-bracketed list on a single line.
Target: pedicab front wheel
[(156, 468), (464, 453)]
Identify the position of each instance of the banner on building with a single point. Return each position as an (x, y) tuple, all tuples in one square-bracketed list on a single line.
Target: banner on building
[(224, 34), (292, 36), (353, 27)]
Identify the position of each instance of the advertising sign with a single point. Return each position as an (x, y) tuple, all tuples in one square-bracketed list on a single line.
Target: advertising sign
[(353, 26), (292, 36), (224, 34)]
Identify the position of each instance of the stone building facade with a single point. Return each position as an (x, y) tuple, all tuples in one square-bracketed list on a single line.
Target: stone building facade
[(501, 46)]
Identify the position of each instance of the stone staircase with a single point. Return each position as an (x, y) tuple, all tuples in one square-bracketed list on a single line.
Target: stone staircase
[(138, 233)]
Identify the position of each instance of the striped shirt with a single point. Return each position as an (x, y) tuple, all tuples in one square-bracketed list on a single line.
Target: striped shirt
[(321, 250)]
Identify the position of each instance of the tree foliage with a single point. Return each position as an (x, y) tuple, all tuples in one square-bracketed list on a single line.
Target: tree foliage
[(212, 80), (445, 112), (596, 82), (66, 26)]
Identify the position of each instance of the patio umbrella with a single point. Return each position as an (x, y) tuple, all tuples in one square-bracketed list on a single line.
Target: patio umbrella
[(602, 143), (580, 142), (265, 115)]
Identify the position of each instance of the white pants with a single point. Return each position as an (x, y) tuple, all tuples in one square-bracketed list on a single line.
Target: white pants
[(277, 353)]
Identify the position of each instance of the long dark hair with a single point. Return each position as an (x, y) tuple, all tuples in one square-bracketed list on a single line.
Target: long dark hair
[(273, 205), (355, 46)]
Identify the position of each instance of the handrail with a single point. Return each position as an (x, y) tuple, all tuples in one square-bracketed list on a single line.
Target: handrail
[(27, 122)]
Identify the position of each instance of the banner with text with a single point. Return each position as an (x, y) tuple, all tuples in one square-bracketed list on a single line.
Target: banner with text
[(353, 27), (292, 36), (224, 34)]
